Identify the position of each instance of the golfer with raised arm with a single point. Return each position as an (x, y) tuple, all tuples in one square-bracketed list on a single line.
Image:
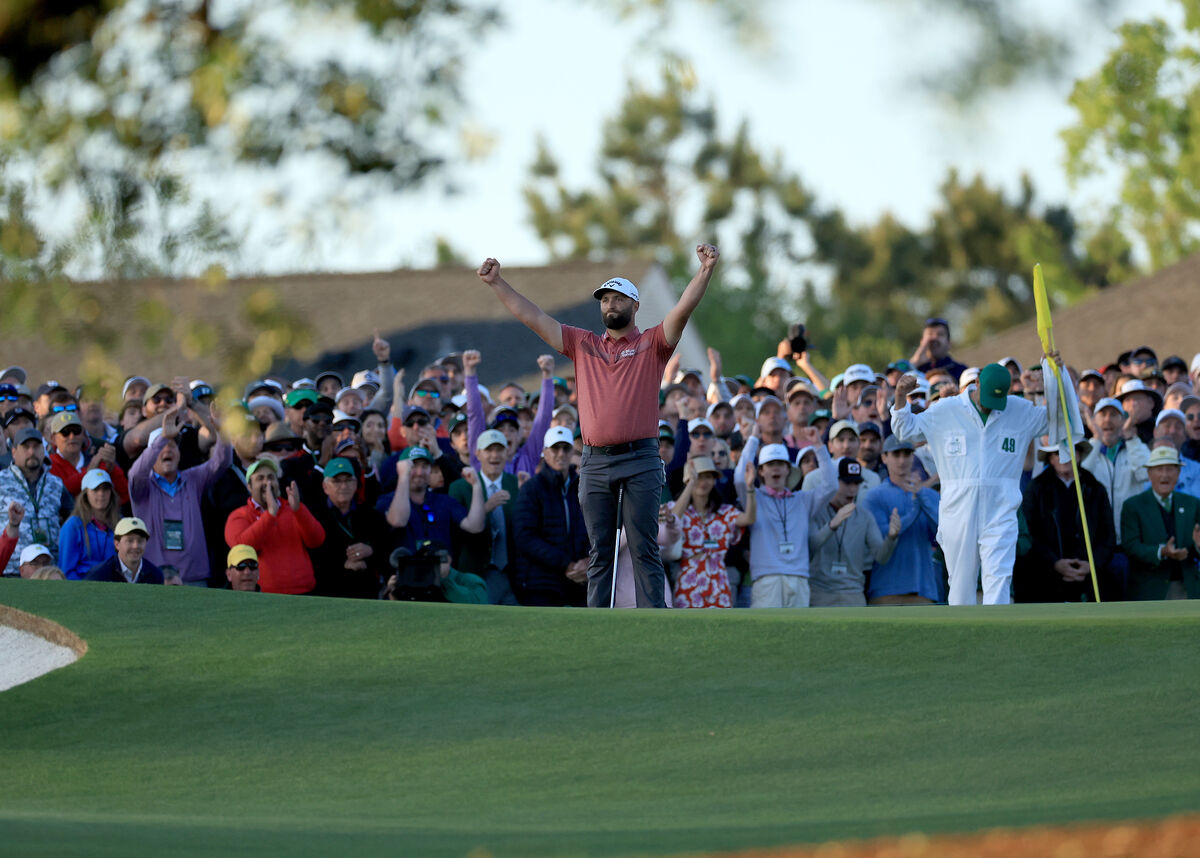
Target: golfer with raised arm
[(617, 376)]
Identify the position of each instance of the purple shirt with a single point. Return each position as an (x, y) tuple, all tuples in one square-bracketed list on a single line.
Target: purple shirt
[(155, 507), (529, 454)]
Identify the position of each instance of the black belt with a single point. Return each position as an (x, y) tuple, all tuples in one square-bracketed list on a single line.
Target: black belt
[(626, 447)]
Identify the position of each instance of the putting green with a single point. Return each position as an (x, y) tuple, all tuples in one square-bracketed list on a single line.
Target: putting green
[(202, 721)]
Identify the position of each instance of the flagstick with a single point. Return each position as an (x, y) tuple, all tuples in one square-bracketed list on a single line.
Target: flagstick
[(1046, 333)]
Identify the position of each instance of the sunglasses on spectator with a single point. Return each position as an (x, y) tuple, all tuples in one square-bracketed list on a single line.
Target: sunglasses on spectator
[(55, 409), (71, 431), (7, 398), (283, 447), (163, 398), (1145, 360), (433, 394), (418, 421), (701, 433), (247, 564)]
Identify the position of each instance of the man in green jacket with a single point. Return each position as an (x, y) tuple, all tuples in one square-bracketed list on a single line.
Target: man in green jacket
[(1160, 529)]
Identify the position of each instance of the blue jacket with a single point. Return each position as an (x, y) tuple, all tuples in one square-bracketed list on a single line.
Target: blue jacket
[(109, 570), (81, 547), (550, 534), (910, 568)]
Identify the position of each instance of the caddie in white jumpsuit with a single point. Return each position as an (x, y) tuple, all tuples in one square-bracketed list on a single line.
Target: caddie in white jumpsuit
[(978, 440)]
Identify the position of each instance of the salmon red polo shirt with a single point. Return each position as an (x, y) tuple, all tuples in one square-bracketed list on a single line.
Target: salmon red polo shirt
[(617, 382)]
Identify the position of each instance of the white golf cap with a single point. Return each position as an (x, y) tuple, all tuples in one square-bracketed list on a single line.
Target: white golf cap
[(774, 453), (95, 478), (131, 381), (715, 405), (304, 384), (342, 417), (349, 391), (697, 422), (558, 435), (1005, 361), (858, 372), (33, 552), (772, 364), (458, 400), (1168, 413), (490, 438), (969, 375), (766, 400), (618, 284), (684, 373), (365, 376), (483, 391), (736, 401), (1109, 402)]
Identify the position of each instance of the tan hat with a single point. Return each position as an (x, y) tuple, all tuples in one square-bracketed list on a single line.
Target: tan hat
[(837, 428), (1161, 456), (705, 465), (131, 524), (62, 420)]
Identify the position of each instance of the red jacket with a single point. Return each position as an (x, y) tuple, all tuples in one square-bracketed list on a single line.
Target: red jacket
[(281, 542), (7, 547), (73, 479)]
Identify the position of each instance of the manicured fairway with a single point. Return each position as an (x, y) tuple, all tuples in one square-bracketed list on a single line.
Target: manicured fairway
[(207, 722)]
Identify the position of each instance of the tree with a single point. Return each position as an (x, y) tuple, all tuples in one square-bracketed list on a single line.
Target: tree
[(669, 178), (1137, 117), (663, 155)]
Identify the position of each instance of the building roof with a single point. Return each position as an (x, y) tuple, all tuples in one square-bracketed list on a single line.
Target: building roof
[(1159, 310), (423, 314)]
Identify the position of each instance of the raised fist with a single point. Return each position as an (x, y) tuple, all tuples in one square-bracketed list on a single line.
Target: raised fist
[(706, 253), (489, 272), (906, 385), (471, 359), (546, 364), (381, 348)]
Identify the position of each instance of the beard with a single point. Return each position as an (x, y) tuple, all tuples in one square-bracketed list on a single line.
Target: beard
[(616, 320)]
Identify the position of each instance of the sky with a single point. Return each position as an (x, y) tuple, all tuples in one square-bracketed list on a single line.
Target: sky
[(833, 94)]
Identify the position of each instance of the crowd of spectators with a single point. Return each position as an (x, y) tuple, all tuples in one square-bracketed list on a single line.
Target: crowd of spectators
[(784, 488)]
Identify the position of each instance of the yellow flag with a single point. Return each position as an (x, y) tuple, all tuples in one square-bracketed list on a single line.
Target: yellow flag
[(1044, 323)]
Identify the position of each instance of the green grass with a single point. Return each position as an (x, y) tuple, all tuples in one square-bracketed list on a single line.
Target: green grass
[(206, 721)]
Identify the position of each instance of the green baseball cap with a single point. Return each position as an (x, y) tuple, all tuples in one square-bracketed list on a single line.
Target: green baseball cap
[(994, 383), (265, 462), (298, 397), (338, 465), (411, 453)]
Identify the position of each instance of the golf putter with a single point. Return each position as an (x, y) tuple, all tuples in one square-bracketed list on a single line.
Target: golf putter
[(612, 598)]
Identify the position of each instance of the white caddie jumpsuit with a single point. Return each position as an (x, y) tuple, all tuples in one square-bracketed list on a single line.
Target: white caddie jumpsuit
[(980, 466)]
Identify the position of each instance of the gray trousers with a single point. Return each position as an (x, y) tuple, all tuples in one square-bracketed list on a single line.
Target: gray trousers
[(640, 472)]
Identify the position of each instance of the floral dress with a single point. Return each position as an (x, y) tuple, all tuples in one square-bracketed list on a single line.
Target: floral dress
[(702, 580)]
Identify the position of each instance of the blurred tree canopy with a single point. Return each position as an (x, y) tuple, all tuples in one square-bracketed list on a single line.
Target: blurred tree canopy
[(668, 178), (106, 105), (1138, 117)]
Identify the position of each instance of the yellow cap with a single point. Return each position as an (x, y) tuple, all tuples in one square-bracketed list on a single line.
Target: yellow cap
[(239, 553)]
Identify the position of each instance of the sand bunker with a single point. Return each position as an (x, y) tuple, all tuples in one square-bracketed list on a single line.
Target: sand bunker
[(31, 645)]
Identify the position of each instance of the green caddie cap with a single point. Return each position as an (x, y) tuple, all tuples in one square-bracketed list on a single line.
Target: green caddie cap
[(994, 383)]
